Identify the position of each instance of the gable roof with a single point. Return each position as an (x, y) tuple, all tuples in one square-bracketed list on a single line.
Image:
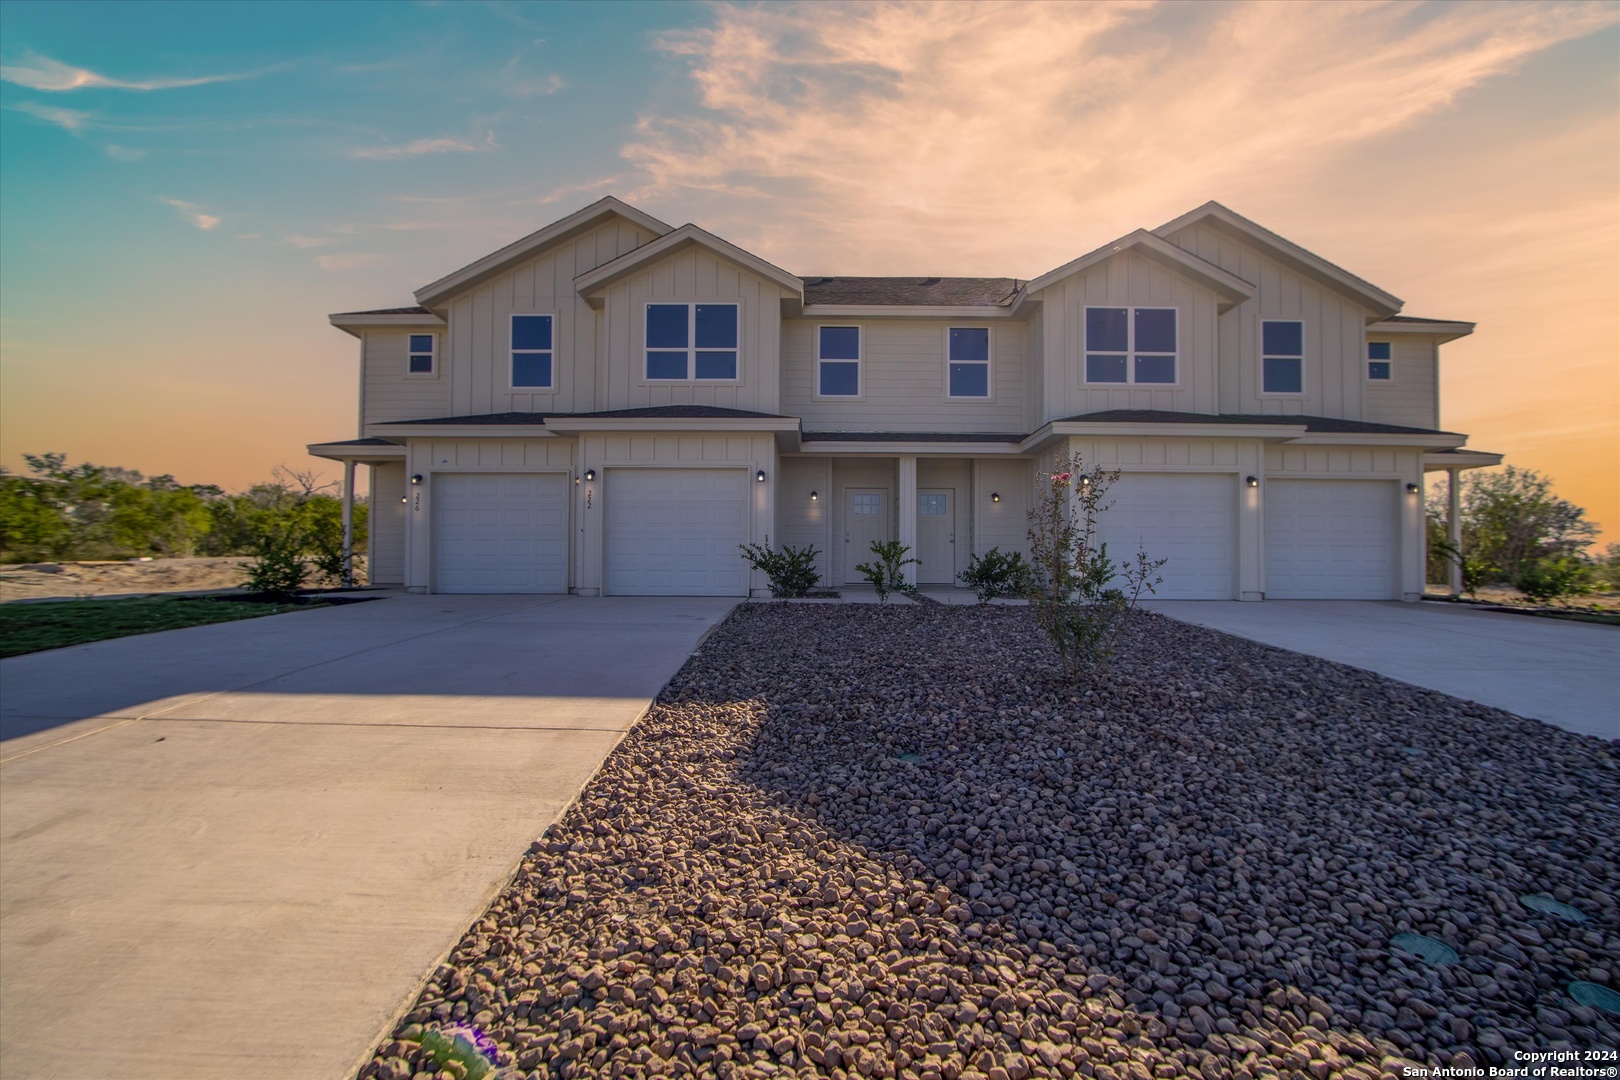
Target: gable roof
[(1288, 253), (1322, 424), (1233, 289), (912, 291), (477, 272), (592, 283)]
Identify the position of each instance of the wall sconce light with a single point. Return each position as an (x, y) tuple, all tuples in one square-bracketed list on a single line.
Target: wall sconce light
[(995, 496), (1412, 489), (760, 476), (590, 474), (1085, 481), (1252, 481), (814, 496), (416, 478), (405, 499)]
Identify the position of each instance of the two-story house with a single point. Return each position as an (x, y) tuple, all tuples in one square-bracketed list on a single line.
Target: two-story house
[(611, 406)]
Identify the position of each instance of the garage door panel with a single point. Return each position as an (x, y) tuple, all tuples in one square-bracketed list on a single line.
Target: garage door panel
[(1331, 539), (501, 533), (1186, 519), (675, 532)]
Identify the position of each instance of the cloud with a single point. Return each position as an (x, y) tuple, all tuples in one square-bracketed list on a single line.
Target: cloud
[(303, 242), (42, 73), (73, 120), (427, 146), (194, 214), (340, 261), (124, 153), (887, 137)]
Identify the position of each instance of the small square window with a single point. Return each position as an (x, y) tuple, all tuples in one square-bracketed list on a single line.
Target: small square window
[(421, 354), (933, 505), (1378, 370), (1283, 375), (1379, 350)]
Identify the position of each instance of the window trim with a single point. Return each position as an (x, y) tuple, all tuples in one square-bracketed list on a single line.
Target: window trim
[(691, 343), (859, 362), (511, 353), (989, 362), (433, 357), (1130, 382), (1390, 378), (1303, 371)]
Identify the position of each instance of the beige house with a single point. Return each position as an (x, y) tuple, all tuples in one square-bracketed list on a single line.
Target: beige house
[(611, 406)]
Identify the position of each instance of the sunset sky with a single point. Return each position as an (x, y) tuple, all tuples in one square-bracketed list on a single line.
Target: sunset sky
[(187, 190)]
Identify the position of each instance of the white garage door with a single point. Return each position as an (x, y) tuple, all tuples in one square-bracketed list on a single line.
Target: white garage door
[(1186, 519), (1331, 539), (501, 533), (674, 532)]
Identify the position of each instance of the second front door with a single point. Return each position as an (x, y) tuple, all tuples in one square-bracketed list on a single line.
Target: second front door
[(936, 537), (866, 521)]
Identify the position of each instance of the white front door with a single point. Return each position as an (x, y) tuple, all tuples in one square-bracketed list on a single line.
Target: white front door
[(676, 532), (1187, 519), (866, 521), (500, 533), (936, 536), (1331, 539)]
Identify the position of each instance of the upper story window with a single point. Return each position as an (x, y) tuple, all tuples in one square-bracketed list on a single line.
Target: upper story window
[(1380, 361), (967, 362), (1282, 356), (532, 353), (692, 341), (838, 361), (422, 354), (1131, 345)]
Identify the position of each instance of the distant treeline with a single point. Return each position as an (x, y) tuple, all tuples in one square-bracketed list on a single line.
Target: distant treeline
[(68, 512)]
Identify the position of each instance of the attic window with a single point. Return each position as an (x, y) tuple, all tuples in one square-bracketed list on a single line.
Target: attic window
[(692, 342), (421, 354)]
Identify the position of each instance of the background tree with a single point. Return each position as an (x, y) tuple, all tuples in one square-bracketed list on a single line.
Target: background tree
[(1515, 531)]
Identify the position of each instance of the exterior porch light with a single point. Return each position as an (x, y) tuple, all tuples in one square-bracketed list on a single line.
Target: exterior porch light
[(590, 474), (1252, 481), (416, 478), (760, 476), (995, 496), (814, 496), (405, 498), (1412, 489)]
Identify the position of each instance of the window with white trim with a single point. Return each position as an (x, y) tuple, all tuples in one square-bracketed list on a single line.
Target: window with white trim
[(533, 358), (838, 361), (1131, 345), (1282, 356), (422, 354), (692, 342), (967, 360), (1380, 361)]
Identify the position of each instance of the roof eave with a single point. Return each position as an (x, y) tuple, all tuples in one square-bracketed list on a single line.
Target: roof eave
[(357, 324), (1442, 330), (900, 311), (341, 451), (909, 448), (1458, 458), (403, 429)]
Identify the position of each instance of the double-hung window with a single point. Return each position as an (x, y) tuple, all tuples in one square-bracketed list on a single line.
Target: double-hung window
[(1380, 361), (1282, 356), (533, 366), (422, 354), (838, 361), (1131, 345), (691, 342), (967, 361)]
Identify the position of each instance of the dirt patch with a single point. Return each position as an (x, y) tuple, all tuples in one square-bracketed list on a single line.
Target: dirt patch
[(68, 580)]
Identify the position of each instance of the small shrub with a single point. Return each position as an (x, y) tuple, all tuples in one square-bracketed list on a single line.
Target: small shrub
[(461, 1049), (329, 561), (1475, 571), (278, 567), (1551, 579), (887, 571), (997, 573), (791, 571)]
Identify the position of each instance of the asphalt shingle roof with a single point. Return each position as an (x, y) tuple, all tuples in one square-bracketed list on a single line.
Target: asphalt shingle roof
[(912, 291), (1324, 424), (418, 310), (912, 436), (659, 412)]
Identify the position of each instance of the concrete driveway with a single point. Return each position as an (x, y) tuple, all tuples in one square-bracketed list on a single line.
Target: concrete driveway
[(235, 850), (1566, 673)]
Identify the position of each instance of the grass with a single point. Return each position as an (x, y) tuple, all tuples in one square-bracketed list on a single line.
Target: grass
[(26, 628)]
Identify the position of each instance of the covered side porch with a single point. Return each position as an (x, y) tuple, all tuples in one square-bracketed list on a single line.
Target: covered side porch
[(381, 455), (1453, 463)]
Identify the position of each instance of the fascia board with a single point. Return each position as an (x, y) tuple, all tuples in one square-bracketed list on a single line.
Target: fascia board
[(901, 311), (339, 452), (1222, 282), (458, 431), (562, 425), (476, 272), (358, 324), (1265, 432), (592, 282), (1439, 441), (1443, 330), (916, 449), (1461, 459)]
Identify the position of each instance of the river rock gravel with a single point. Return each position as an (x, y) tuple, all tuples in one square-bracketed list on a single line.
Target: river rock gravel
[(864, 842)]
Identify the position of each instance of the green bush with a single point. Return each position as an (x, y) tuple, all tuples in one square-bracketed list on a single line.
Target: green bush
[(1552, 579), (791, 571), (278, 567), (887, 572), (997, 573)]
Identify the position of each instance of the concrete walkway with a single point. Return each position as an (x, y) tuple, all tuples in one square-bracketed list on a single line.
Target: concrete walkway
[(235, 850), (1565, 673)]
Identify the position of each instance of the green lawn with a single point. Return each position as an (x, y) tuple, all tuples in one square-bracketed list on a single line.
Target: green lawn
[(26, 628)]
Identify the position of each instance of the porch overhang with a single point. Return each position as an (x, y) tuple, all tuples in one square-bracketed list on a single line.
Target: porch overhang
[(1458, 458), (369, 451)]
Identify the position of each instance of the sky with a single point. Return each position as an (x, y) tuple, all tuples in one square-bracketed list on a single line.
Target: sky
[(188, 190)]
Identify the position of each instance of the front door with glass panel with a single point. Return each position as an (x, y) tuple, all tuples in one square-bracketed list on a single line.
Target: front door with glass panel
[(865, 523), (936, 537)]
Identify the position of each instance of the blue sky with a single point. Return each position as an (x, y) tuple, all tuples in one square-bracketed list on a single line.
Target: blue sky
[(190, 189)]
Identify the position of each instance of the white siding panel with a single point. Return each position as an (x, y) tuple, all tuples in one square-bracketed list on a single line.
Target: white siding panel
[(385, 526), (389, 393), (1411, 396)]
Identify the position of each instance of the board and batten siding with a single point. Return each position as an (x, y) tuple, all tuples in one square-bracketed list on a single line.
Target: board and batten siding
[(480, 334), (1127, 280), (1411, 397), (387, 391), (802, 522), (385, 526), (903, 378), (692, 275), (1003, 524), (1334, 329)]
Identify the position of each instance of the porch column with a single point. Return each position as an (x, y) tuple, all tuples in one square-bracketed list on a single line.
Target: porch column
[(908, 513), (347, 580), (1454, 575)]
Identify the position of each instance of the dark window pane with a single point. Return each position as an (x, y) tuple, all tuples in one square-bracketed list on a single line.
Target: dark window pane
[(1378, 369), (1105, 369), (970, 380), (1105, 330), (1283, 376), (716, 326), (1156, 330), (421, 364), (422, 343), (666, 365), (1378, 350), (970, 343), (666, 326), (842, 379), (716, 365), (1155, 369), (1283, 339), (840, 343), (531, 331), (531, 369)]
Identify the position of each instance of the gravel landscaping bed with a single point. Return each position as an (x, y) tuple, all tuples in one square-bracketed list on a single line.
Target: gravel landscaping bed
[(852, 841)]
